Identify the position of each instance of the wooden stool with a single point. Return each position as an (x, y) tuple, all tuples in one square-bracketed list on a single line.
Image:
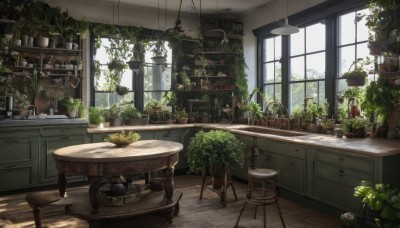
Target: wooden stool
[(36, 200), (221, 191), (262, 196)]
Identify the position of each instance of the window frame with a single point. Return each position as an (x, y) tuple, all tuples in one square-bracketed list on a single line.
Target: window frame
[(328, 11)]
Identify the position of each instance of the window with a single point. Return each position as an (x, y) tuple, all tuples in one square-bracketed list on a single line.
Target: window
[(310, 63), (352, 45), (307, 65), (273, 68), (156, 78)]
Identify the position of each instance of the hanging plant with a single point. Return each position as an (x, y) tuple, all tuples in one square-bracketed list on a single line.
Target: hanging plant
[(159, 52)]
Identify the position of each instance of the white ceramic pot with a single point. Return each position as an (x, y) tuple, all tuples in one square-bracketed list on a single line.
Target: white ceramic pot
[(68, 45), (42, 42), (17, 42)]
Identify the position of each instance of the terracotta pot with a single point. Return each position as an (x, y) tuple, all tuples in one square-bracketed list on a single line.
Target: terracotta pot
[(182, 120)]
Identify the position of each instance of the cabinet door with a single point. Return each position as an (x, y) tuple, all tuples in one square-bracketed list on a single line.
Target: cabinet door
[(334, 179), (291, 171), (241, 171), (49, 145), (18, 161), (177, 135)]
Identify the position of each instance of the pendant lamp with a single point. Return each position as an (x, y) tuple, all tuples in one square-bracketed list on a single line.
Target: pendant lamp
[(285, 28)]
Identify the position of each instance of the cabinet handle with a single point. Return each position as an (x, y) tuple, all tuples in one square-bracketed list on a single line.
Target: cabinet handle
[(341, 171), (292, 164), (65, 137), (341, 159), (11, 166), (297, 150)]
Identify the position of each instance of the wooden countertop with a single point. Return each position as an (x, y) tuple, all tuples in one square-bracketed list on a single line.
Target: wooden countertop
[(374, 147)]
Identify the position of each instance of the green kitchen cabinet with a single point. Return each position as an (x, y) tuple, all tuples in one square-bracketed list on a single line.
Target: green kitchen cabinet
[(19, 149), (241, 171), (181, 135), (289, 160), (53, 138), (336, 175)]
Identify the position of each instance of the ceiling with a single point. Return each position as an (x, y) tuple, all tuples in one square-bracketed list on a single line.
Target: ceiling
[(237, 7)]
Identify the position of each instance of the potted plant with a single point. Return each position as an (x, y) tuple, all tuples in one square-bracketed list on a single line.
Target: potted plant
[(134, 63), (159, 53), (216, 151), (356, 77), (182, 117), (72, 105), (132, 116), (355, 127), (382, 202), (96, 117), (114, 115)]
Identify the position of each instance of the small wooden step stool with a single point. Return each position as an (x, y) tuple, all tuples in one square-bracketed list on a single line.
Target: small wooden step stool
[(36, 200)]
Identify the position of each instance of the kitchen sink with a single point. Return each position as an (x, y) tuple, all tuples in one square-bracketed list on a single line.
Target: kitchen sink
[(271, 131)]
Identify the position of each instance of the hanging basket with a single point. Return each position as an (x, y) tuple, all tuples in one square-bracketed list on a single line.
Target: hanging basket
[(134, 64), (355, 81), (159, 60)]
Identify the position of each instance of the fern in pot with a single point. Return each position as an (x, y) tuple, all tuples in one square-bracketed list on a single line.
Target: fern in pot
[(216, 151)]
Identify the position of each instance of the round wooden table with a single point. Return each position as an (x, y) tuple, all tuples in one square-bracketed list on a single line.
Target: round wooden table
[(96, 160)]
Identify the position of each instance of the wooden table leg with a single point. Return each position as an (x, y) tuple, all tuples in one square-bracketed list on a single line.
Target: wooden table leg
[(62, 181), (169, 184), (94, 193)]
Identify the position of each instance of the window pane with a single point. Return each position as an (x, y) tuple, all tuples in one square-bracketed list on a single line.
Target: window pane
[(315, 37), (296, 95), (346, 58), (316, 66), (278, 47), (278, 72), (270, 73), (107, 99), (269, 90), (312, 90), (362, 29), (297, 43), (321, 94), (278, 92), (297, 68), (347, 29), (269, 49)]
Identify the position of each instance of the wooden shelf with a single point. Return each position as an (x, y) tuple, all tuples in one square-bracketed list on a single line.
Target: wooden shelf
[(44, 50)]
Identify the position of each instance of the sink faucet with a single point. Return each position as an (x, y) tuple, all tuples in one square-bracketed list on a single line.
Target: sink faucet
[(280, 111), (35, 109)]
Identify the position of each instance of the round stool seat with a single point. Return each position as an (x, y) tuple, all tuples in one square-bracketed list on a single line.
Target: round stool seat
[(39, 199), (262, 173)]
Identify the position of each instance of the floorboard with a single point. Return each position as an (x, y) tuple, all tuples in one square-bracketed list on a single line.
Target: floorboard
[(194, 213)]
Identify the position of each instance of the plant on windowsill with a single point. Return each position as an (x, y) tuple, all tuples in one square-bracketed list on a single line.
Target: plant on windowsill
[(182, 117), (356, 77), (382, 202), (355, 127), (96, 118), (114, 115), (132, 116)]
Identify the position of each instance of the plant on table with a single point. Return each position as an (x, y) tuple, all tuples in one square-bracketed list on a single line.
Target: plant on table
[(122, 139)]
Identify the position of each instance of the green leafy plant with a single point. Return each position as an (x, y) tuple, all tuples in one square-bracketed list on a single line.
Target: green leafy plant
[(73, 103), (214, 149), (114, 111), (182, 114), (122, 139), (359, 69), (95, 116), (131, 112), (383, 201)]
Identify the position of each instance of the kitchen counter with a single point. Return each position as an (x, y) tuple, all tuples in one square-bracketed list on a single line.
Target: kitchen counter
[(42, 122), (375, 147)]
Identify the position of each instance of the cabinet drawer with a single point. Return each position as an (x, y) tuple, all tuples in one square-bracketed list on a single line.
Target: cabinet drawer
[(63, 130), (341, 175), (18, 149), (282, 148), (355, 163), (16, 175)]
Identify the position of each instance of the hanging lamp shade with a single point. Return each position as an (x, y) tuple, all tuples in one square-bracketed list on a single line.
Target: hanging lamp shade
[(285, 29)]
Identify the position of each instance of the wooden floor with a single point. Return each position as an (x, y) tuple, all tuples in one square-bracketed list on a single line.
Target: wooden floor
[(194, 213)]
